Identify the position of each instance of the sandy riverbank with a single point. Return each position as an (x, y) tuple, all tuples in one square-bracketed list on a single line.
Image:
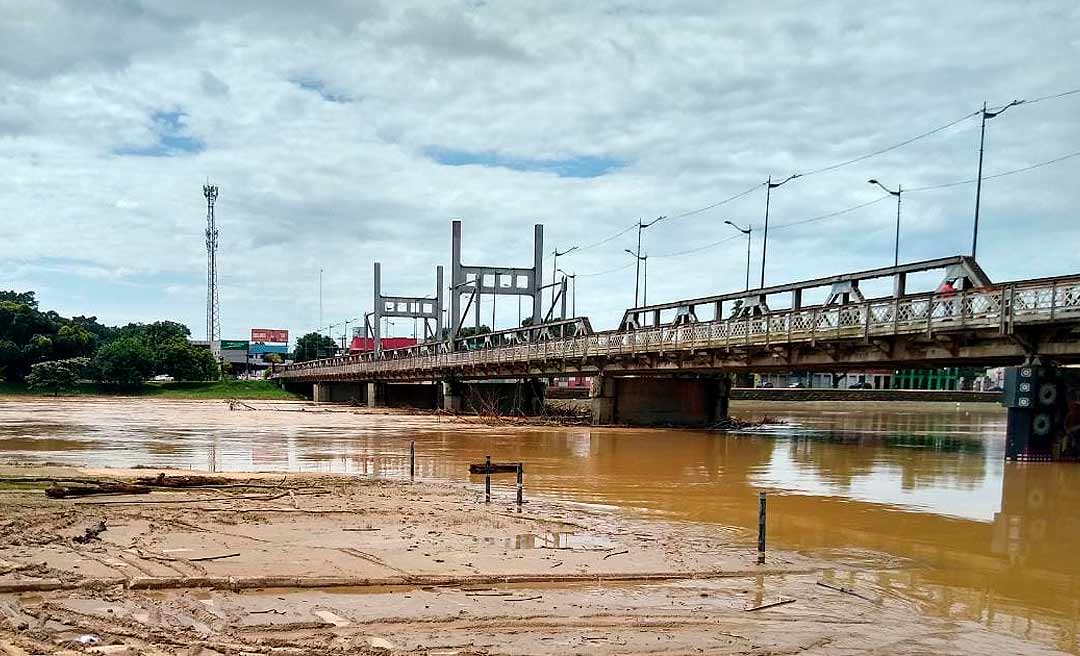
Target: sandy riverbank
[(313, 564)]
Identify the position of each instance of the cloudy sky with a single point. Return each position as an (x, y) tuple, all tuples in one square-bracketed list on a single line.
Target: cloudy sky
[(344, 132)]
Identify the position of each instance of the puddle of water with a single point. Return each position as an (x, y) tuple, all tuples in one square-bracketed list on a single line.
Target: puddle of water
[(568, 540)]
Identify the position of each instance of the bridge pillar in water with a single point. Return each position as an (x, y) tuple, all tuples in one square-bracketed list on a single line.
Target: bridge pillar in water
[(1043, 404), (660, 401), (375, 395), (450, 395), (337, 392)]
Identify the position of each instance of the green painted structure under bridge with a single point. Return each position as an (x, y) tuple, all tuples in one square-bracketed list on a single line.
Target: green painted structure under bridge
[(938, 378)]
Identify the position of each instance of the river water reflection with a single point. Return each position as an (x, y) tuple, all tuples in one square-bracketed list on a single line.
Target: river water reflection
[(992, 542)]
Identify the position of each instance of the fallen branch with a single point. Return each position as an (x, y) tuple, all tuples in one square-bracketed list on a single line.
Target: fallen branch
[(617, 553), (64, 491), (840, 588), (192, 560), (778, 602), (534, 598), (200, 482), (239, 497)]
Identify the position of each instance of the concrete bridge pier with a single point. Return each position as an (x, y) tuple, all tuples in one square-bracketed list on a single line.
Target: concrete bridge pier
[(1043, 404), (660, 401), (375, 395), (450, 395), (338, 392)]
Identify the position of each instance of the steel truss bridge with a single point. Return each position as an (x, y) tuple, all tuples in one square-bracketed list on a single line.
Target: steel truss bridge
[(973, 321)]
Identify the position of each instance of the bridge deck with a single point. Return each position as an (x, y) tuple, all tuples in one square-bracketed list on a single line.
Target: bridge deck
[(997, 315)]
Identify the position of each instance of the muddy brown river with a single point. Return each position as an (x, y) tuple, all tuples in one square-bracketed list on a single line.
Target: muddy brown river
[(975, 538)]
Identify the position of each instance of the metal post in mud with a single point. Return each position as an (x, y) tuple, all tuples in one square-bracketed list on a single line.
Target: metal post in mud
[(520, 485), (487, 479), (761, 529), (412, 459)]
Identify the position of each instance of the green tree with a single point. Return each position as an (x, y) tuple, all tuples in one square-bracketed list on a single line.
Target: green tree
[(125, 362), (57, 376), (274, 358), (25, 334), (73, 341), (156, 333), (312, 346), (25, 298), (183, 361)]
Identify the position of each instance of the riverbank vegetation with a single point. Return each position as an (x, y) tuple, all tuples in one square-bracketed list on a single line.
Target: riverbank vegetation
[(51, 352)]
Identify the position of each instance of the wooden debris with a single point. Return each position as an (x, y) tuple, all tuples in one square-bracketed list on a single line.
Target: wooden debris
[(91, 533), (615, 553), (533, 598), (208, 482), (67, 491), (778, 602), (840, 588)]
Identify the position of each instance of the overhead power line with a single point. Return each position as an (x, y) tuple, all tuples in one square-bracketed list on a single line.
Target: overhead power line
[(1052, 96), (882, 151), (699, 248), (604, 273), (958, 183)]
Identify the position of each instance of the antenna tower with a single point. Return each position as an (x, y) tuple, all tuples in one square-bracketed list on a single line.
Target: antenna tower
[(213, 318)]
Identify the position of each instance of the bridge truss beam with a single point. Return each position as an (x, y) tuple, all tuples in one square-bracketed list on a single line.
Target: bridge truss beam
[(426, 308), (503, 281)]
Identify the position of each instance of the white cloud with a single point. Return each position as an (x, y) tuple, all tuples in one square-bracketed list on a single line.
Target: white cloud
[(698, 102)]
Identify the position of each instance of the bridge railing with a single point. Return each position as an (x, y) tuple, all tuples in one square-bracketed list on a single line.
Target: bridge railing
[(999, 306)]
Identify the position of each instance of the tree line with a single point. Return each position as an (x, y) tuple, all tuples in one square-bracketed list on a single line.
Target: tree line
[(52, 352)]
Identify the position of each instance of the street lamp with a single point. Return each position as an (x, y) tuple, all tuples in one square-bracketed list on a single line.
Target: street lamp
[(573, 292), (555, 265), (769, 186), (746, 231), (642, 259), (637, 269), (978, 185), (899, 190)]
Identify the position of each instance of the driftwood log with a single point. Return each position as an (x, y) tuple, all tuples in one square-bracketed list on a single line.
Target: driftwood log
[(55, 491)]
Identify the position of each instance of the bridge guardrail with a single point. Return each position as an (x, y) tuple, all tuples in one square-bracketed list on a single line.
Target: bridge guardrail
[(999, 306)]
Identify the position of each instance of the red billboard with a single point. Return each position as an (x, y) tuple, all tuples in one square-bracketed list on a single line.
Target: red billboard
[(272, 335)]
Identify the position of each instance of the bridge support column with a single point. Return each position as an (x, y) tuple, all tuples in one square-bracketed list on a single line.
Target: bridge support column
[(1044, 413), (660, 401), (450, 397), (602, 396), (337, 392), (376, 395)]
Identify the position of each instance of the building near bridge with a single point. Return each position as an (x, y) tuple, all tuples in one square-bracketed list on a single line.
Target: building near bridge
[(365, 344)]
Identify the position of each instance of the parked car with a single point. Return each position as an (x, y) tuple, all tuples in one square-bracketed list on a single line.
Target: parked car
[(765, 383), (863, 385), (797, 385)]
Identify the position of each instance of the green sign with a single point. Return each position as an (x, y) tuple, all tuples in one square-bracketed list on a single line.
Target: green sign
[(234, 345)]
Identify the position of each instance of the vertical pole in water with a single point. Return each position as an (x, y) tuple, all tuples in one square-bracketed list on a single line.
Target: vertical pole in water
[(520, 485), (487, 479), (412, 459), (761, 529)]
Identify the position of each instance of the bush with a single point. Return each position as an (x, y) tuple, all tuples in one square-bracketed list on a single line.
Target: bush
[(125, 362), (56, 376)]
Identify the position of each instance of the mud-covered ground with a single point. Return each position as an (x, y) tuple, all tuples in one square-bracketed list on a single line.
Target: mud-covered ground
[(310, 564)]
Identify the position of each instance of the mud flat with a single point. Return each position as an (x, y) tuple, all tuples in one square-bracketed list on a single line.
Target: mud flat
[(315, 564)]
